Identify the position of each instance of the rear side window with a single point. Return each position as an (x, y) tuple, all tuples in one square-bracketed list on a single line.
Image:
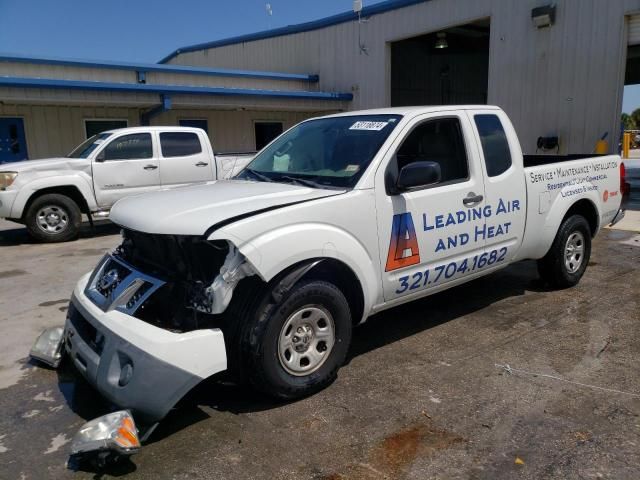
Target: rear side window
[(129, 147), (179, 144), (495, 146)]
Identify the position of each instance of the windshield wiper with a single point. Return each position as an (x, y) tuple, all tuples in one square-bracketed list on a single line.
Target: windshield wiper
[(258, 175), (303, 181)]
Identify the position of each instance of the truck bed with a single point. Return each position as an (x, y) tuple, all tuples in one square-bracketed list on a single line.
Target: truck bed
[(536, 160)]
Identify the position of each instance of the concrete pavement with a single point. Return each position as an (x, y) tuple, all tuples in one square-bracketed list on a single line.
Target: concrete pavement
[(421, 395)]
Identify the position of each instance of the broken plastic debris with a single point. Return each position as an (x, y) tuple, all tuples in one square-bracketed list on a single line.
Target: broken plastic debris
[(519, 461)]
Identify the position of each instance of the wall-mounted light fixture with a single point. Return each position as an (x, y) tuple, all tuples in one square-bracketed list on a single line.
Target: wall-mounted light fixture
[(544, 16), (442, 40)]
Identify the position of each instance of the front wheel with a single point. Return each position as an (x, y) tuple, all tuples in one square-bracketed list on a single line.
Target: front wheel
[(295, 346), (568, 257), (53, 218)]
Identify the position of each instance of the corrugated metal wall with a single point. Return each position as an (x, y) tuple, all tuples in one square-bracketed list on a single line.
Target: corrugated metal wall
[(231, 130), (56, 129), (43, 70), (565, 80)]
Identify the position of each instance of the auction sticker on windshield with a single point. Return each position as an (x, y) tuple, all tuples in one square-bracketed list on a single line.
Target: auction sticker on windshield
[(374, 126)]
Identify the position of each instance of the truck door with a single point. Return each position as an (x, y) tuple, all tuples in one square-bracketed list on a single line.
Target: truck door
[(428, 236), (505, 189), (127, 165), (183, 159)]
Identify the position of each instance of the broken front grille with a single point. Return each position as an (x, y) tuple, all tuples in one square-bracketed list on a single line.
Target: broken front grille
[(113, 273), (159, 279), (115, 285)]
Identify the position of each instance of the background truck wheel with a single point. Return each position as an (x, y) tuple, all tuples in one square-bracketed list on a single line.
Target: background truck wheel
[(53, 218), (567, 259), (295, 346)]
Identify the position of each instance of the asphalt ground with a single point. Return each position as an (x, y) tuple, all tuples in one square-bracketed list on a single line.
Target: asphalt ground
[(425, 392)]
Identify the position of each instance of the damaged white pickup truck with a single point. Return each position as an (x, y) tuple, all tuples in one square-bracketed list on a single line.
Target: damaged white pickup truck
[(339, 218)]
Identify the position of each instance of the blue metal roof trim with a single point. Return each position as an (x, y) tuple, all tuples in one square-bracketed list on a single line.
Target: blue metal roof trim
[(154, 67), (22, 82), (301, 27)]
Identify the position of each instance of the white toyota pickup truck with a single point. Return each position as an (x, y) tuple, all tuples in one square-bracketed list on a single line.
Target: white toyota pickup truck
[(266, 275), (50, 195)]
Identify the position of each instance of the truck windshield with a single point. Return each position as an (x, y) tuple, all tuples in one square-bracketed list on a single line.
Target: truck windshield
[(89, 145), (325, 153)]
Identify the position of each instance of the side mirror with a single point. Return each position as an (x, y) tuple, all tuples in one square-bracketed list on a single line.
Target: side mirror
[(418, 174)]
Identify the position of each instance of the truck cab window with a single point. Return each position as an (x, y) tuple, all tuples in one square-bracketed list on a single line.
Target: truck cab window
[(129, 147), (437, 141), (179, 144), (497, 155)]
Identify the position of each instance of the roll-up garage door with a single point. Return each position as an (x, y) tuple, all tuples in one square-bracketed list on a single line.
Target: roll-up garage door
[(634, 30)]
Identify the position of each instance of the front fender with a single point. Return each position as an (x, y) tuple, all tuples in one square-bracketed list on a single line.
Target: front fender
[(26, 190), (278, 249)]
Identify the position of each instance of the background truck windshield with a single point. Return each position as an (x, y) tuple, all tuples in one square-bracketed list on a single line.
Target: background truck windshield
[(327, 152), (85, 148)]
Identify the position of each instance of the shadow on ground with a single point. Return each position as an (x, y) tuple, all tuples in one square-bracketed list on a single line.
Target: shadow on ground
[(382, 329), (19, 236)]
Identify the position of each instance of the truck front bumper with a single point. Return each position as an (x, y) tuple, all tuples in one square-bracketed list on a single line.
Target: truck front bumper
[(136, 365), (7, 198)]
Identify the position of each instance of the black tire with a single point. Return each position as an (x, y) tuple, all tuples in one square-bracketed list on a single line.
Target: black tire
[(262, 327), (554, 268), (62, 210)]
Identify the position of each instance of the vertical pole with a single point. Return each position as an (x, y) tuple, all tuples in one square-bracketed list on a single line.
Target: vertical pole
[(626, 143)]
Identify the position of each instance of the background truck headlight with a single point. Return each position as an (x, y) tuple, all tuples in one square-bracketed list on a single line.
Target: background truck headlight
[(6, 179)]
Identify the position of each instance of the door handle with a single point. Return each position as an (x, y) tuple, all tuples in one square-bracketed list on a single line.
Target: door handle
[(201, 164), (472, 199), (150, 167)]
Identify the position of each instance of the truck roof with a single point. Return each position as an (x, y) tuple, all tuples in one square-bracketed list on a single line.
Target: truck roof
[(415, 110), (164, 128)]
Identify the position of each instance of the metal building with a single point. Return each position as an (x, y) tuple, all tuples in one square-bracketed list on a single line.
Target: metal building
[(557, 68)]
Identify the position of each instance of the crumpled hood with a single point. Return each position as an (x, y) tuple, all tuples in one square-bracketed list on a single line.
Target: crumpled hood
[(194, 209), (46, 164)]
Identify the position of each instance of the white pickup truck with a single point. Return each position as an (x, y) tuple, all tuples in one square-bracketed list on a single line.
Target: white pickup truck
[(50, 195), (265, 275)]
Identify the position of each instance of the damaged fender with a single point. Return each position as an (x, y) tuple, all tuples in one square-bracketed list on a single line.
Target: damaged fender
[(234, 269)]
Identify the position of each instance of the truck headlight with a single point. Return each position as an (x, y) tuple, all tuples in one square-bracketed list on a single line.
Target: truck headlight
[(114, 432), (6, 179), (48, 346)]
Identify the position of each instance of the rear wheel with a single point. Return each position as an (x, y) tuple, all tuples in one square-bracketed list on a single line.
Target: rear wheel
[(294, 347), (53, 218), (567, 259)]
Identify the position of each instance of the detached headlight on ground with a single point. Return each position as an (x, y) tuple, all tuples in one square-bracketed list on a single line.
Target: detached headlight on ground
[(112, 432), (6, 179), (48, 346)]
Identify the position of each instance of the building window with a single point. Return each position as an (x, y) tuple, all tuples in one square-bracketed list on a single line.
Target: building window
[(265, 132), (128, 147), (497, 155), (93, 127), (179, 144), (194, 123)]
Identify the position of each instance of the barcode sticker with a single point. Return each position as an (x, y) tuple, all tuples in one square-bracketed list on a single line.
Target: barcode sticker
[(375, 126)]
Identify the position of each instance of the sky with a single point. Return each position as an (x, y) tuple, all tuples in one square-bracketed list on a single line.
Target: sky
[(143, 31), (631, 98)]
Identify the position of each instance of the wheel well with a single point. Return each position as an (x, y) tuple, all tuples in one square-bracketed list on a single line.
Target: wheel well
[(586, 209), (339, 274), (67, 190)]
